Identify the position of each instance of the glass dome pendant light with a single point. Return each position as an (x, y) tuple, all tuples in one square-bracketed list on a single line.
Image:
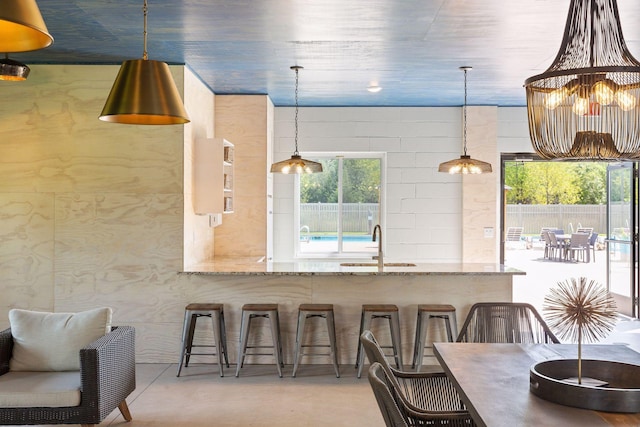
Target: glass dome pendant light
[(465, 164), (296, 164), (144, 93)]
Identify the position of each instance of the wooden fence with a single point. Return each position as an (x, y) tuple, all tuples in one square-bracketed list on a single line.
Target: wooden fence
[(534, 217), (323, 217)]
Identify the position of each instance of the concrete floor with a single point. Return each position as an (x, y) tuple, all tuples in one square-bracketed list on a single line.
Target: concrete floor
[(200, 398)]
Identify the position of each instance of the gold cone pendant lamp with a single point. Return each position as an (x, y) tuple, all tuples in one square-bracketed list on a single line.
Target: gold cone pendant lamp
[(11, 70), (22, 28), (465, 164), (587, 104), (144, 93), (296, 164)]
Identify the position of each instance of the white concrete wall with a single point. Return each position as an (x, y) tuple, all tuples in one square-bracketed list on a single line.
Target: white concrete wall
[(423, 207)]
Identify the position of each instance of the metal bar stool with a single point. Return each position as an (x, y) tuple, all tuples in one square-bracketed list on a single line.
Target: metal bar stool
[(323, 311), (380, 311), (191, 314), (427, 312), (267, 311)]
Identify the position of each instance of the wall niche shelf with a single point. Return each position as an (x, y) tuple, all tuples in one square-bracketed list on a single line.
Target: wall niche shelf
[(213, 178)]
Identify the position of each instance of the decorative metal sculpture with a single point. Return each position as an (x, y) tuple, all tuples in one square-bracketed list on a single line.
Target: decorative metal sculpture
[(579, 310)]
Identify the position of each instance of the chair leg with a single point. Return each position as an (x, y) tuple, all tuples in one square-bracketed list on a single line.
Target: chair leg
[(277, 344), (364, 324), (217, 338), (396, 342), (124, 410), (242, 343)]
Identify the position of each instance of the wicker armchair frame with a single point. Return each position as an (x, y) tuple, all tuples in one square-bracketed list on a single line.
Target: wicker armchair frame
[(420, 398), (107, 371), (505, 322)]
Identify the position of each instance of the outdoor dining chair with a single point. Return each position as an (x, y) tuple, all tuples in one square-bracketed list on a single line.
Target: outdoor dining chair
[(578, 248)]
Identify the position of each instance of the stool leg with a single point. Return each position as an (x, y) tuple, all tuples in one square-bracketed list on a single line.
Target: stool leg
[(448, 327), (217, 338), (419, 347), (331, 328), (302, 317), (416, 341), (364, 324), (242, 343), (396, 339), (185, 328), (277, 345), (192, 328), (223, 334)]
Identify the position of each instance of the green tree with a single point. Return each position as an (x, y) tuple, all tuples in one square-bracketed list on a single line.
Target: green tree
[(592, 179), (361, 178), (542, 183), (321, 187)]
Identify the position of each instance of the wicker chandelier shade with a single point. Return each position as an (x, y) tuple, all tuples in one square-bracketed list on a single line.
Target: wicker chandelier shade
[(587, 104)]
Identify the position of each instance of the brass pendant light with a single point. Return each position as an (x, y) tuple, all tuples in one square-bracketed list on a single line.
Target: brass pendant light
[(296, 164), (465, 164), (11, 70), (22, 28), (144, 93), (587, 104)]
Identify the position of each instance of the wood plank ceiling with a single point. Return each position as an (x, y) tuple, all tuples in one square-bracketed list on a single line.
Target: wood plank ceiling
[(411, 48)]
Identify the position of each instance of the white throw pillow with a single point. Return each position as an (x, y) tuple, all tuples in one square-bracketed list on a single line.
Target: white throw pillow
[(52, 341)]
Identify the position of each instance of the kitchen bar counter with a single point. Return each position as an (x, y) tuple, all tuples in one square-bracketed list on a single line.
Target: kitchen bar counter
[(241, 281), (300, 268)]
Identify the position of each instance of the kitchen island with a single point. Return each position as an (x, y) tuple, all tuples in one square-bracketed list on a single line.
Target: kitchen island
[(237, 282)]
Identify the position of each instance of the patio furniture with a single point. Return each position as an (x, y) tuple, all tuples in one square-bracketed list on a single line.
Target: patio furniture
[(513, 236), (557, 246), (593, 239), (505, 322), (578, 248), (58, 394)]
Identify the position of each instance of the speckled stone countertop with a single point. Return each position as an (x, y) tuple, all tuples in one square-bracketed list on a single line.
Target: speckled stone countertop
[(338, 268)]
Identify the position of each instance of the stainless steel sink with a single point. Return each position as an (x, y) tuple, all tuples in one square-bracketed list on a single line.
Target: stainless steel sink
[(375, 264)]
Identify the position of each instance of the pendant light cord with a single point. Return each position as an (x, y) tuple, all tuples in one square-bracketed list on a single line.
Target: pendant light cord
[(296, 115), (464, 114), (144, 33)]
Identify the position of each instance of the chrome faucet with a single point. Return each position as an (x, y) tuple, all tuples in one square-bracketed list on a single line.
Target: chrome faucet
[(377, 230)]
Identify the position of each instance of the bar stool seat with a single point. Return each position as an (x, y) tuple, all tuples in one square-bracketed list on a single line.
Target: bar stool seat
[(389, 312), (191, 314), (323, 311), (266, 311), (427, 312)]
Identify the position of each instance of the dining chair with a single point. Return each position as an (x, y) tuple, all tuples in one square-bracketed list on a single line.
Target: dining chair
[(429, 394), (557, 246), (398, 412), (578, 248), (593, 239), (505, 322)]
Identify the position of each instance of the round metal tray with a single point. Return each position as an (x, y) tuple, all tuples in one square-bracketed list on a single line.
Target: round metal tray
[(606, 386)]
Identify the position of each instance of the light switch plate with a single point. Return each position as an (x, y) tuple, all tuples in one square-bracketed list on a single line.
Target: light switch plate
[(488, 232)]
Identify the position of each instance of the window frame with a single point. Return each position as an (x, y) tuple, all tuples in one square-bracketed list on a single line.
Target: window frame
[(382, 156)]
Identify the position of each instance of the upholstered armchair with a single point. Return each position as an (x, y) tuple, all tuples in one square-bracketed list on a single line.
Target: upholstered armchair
[(106, 376)]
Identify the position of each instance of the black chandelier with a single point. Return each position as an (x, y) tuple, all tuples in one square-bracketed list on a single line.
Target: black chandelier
[(586, 105)]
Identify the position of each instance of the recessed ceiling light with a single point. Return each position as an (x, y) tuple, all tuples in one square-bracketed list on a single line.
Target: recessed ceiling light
[(374, 88)]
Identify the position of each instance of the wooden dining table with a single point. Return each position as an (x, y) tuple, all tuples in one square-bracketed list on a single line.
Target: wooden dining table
[(493, 382)]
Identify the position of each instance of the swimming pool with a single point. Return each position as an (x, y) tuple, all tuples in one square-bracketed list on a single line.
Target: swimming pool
[(360, 238)]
